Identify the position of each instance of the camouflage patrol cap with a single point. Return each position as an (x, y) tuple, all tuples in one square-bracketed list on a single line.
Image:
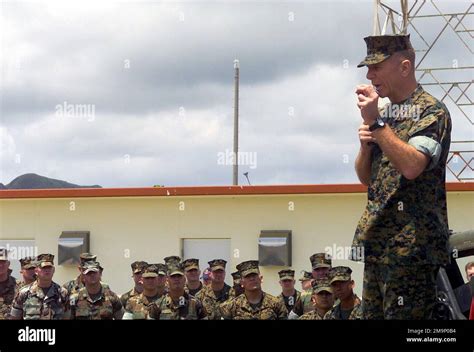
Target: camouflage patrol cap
[(217, 264), (190, 264), (44, 260), (151, 271), (3, 253), (28, 262), (381, 47), (248, 267), (321, 285), (91, 267), (306, 276), (340, 273), (236, 277), (175, 268), (138, 266), (87, 257), (286, 274), (172, 258), (320, 260), (162, 269)]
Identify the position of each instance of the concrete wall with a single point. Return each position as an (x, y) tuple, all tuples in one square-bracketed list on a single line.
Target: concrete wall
[(150, 228)]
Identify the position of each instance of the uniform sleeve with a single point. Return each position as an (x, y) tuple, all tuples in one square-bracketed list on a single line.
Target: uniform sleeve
[(281, 311), (117, 308), (201, 311), (431, 133), (17, 305)]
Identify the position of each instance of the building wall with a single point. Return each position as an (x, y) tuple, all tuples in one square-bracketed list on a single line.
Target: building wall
[(149, 228)]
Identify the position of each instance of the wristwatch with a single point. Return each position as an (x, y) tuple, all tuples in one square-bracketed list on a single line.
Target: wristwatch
[(377, 124)]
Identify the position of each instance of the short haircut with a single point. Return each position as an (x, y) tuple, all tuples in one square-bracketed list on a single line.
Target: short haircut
[(469, 266)]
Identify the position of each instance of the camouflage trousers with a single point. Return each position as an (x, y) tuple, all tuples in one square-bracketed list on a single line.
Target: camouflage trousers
[(398, 292)]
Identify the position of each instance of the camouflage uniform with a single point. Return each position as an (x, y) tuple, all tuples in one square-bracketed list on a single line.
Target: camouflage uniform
[(303, 304), (269, 308), (137, 267), (32, 304), (343, 273), (106, 306), (73, 286), (190, 264), (313, 315), (211, 299), (318, 286), (25, 263), (138, 307), (403, 232), (289, 301), (7, 294), (187, 308), (335, 312)]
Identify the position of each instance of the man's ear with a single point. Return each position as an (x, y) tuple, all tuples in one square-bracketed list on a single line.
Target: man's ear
[(405, 68)]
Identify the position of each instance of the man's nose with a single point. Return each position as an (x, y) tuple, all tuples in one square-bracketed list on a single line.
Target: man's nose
[(370, 74)]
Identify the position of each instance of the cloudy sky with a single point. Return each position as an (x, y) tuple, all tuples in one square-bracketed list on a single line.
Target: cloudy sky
[(156, 82)]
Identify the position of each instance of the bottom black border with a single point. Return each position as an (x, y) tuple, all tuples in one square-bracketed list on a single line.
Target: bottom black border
[(360, 335)]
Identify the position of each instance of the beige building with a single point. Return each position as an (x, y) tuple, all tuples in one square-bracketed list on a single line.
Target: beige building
[(151, 223)]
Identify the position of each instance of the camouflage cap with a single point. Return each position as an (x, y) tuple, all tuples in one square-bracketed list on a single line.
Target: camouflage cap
[(172, 258), (286, 274), (217, 264), (44, 260), (28, 262), (320, 260), (340, 273), (248, 267), (236, 277), (138, 266), (162, 269), (307, 275), (175, 268), (151, 271), (190, 264), (321, 285), (381, 47), (3, 253), (91, 266), (87, 257)]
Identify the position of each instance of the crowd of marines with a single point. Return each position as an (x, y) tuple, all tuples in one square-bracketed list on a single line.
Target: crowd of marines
[(173, 290)]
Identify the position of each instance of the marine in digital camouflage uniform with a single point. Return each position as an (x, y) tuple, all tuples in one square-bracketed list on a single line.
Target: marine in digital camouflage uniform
[(237, 288), (27, 272), (320, 264), (75, 285), (254, 304), (138, 307), (402, 235), (94, 301), (177, 304), (137, 269), (43, 299), (348, 305), (7, 285), (218, 292), (323, 300), (287, 282), (192, 273)]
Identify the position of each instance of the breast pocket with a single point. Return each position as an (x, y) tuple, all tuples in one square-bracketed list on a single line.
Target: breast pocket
[(33, 309)]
